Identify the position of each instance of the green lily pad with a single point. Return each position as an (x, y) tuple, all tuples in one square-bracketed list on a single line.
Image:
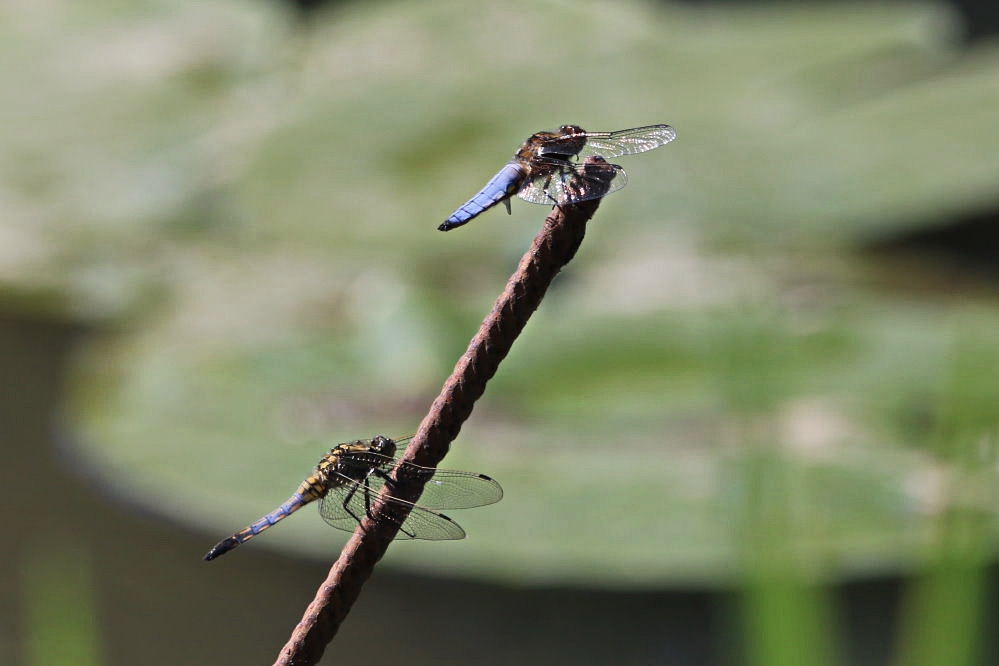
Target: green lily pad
[(258, 221)]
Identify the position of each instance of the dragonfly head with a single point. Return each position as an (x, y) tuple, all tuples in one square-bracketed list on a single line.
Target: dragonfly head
[(382, 445), (563, 144), (570, 130)]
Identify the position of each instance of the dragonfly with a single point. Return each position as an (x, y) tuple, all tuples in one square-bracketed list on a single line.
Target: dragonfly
[(348, 480), (546, 169)]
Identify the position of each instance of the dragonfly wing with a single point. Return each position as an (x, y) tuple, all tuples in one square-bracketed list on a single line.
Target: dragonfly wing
[(627, 142), (349, 501), (424, 523), (451, 489), (557, 182), (500, 187), (347, 504)]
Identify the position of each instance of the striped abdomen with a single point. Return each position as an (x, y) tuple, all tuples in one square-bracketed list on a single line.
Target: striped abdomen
[(311, 489)]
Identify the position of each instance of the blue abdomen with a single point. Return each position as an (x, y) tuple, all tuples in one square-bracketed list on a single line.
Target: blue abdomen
[(503, 185)]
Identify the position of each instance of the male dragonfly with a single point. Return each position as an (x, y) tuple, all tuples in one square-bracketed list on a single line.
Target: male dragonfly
[(543, 171), (348, 479)]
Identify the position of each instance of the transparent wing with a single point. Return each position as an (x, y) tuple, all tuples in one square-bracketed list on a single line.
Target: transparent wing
[(451, 489), (443, 488), (347, 504), (616, 144), (560, 182)]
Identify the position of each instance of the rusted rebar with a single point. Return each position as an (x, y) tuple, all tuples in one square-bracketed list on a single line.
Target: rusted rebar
[(553, 247)]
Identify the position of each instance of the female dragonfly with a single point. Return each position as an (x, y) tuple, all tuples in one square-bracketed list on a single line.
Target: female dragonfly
[(348, 479), (543, 171)]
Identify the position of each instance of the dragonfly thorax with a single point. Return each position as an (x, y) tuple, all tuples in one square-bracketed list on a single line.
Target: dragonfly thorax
[(356, 460)]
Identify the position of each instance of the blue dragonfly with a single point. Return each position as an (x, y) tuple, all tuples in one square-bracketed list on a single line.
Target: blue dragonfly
[(348, 480), (545, 169)]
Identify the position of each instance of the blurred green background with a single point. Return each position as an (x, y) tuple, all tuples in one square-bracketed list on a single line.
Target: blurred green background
[(754, 422)]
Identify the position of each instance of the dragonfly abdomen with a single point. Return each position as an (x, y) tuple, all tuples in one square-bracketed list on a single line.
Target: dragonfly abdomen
[(506, 183), (310, 490)]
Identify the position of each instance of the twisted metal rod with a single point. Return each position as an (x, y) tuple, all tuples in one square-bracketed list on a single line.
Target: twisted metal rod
[(553, 247)]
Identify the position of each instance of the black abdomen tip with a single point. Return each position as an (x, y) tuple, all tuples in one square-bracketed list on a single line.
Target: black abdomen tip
[(221, 548)]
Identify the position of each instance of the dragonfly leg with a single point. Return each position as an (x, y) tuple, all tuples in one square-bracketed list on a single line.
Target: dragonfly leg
[(346, 503), (368, 492), (389, 482), (367, 498)]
